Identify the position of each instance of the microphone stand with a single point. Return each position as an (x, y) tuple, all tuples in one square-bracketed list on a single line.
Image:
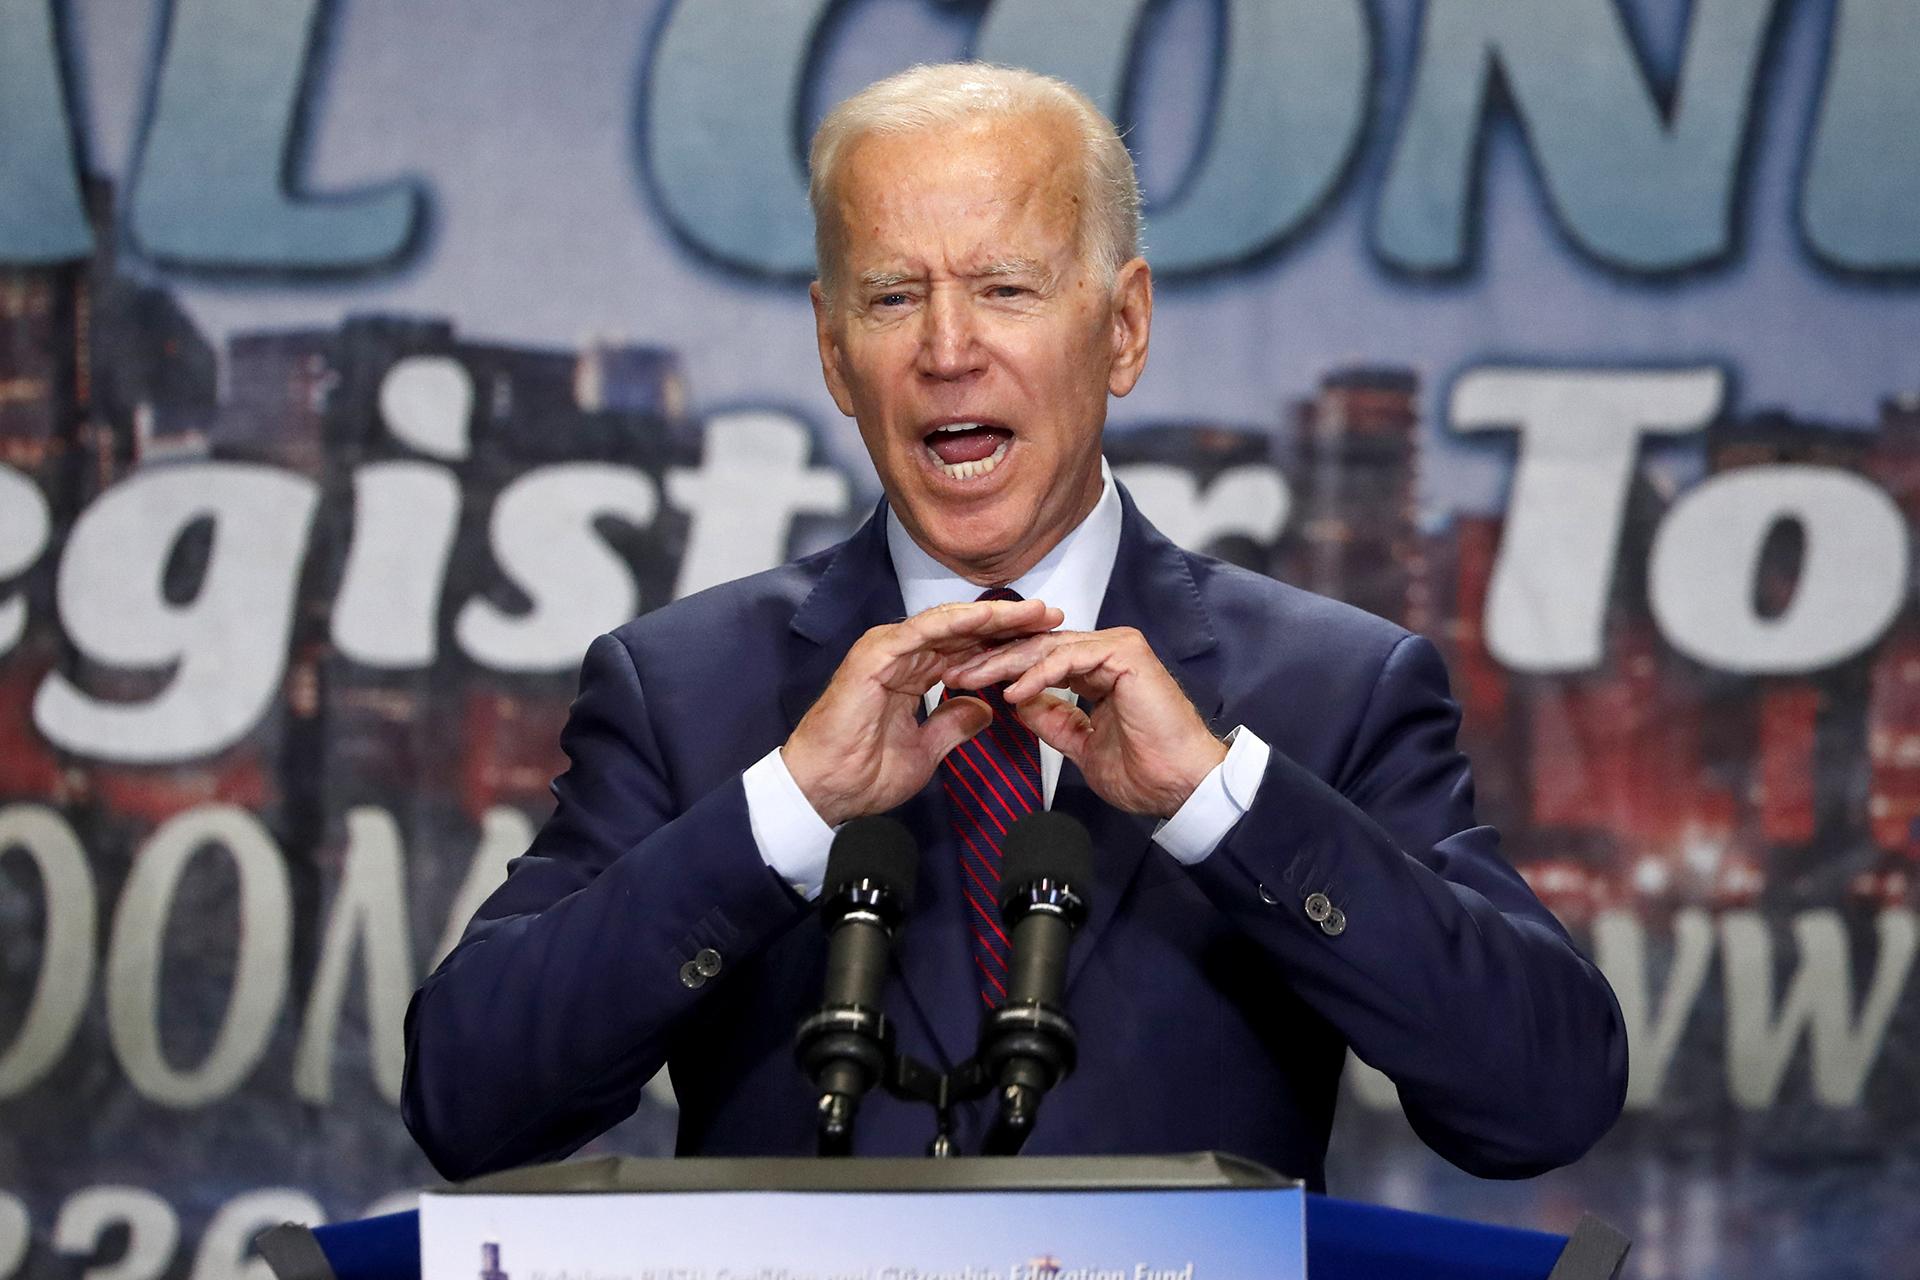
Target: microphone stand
[(1024, 1051), (1027, 1045)]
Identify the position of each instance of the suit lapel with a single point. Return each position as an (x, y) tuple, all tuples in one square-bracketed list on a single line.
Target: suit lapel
[(1152, 589), (857, 591)]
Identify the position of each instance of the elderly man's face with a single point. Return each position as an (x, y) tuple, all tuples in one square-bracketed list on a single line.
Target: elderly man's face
[(971, 342)]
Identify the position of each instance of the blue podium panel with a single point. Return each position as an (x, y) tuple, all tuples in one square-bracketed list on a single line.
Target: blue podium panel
[(1352, 1241), (1255, 1233)]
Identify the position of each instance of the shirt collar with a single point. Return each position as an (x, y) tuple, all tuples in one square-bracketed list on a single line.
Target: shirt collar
[(1072, 577)]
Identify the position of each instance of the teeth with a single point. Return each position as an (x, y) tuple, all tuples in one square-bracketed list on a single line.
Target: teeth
[(957, 426), (969, 470)]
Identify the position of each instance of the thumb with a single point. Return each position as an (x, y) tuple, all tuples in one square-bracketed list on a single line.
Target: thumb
[(1058, 723), (952, 723)]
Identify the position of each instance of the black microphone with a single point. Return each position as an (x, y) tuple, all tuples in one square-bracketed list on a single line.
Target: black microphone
[(844, 1048), (1028, 1043)]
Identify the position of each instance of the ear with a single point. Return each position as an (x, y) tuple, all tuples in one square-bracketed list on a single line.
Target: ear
[(825, 334), (1132, 318)]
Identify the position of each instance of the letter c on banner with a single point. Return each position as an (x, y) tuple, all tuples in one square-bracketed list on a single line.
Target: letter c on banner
[(66, 950), (260, 970), (1706, 557)]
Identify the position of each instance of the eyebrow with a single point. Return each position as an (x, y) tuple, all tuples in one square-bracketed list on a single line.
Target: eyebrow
[(874, 281), (871, 280), (1012, 267)]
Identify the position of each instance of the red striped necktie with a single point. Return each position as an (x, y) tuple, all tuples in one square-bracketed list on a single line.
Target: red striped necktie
[(991, 780)]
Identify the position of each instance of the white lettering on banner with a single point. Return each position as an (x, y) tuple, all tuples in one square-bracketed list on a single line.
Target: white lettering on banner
[(25, 525), (1653, 1025), (752, 482), (1580, 431), (66, 948), (1642, 181), (405, 515), (1705, 562), (367, 921), (15, 1232), (153, 1230), (369, 917), (227, 647), (227, 1243), (427, 403), (543, 538), (1658, 979), (505, 834), (1819, 1002), (260, 970), (89, 1214), (1249, 501), (1579, 434)]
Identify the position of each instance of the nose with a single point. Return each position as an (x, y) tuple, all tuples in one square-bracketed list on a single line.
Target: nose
[(949, 345)]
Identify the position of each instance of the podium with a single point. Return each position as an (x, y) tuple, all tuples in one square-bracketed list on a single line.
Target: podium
[(1198, 1217)]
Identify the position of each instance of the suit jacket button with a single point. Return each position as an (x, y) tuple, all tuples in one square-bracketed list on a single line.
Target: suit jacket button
[(690, 976), (706, 962), (1335, 924), (1266, 897), (1318, 907)]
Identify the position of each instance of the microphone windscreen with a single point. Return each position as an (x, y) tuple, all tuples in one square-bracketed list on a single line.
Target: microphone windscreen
[(1044, 845), (876, 849)]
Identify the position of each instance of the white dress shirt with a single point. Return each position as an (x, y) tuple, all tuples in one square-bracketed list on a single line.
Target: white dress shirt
[(1072, 577)]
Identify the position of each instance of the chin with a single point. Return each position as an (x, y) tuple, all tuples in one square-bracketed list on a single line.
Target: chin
[(972, 546)]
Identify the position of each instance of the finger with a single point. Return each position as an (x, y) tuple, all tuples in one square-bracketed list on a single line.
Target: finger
[(1058, 723), (1086, 666), (908, 656), (993, 664), (977, 617), (948, 627), (920, 670), (952, 723)]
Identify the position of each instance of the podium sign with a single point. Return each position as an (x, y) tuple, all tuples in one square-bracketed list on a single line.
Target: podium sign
[(1039, 1232)]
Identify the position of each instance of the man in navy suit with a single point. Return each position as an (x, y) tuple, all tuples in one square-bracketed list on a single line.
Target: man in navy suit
[(1313, 881)]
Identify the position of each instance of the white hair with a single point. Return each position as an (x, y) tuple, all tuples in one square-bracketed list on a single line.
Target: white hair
[(952, 93)]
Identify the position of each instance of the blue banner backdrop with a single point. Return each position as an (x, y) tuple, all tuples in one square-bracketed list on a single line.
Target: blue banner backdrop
[(359, 362)]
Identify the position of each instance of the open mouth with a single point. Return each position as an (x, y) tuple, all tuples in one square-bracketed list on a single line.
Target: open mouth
[(968, 450)]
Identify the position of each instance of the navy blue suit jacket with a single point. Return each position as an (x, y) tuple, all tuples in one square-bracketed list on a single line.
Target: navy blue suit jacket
[(1212, 1011)]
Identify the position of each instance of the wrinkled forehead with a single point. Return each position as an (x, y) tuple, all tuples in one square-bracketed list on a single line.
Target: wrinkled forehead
[(982, 192)]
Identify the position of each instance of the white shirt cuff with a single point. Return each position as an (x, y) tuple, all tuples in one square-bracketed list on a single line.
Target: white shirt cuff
[(791, 837), (1220, 800)]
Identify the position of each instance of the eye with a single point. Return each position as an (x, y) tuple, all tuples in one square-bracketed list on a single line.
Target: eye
[(895, 299), (1009, 291)]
